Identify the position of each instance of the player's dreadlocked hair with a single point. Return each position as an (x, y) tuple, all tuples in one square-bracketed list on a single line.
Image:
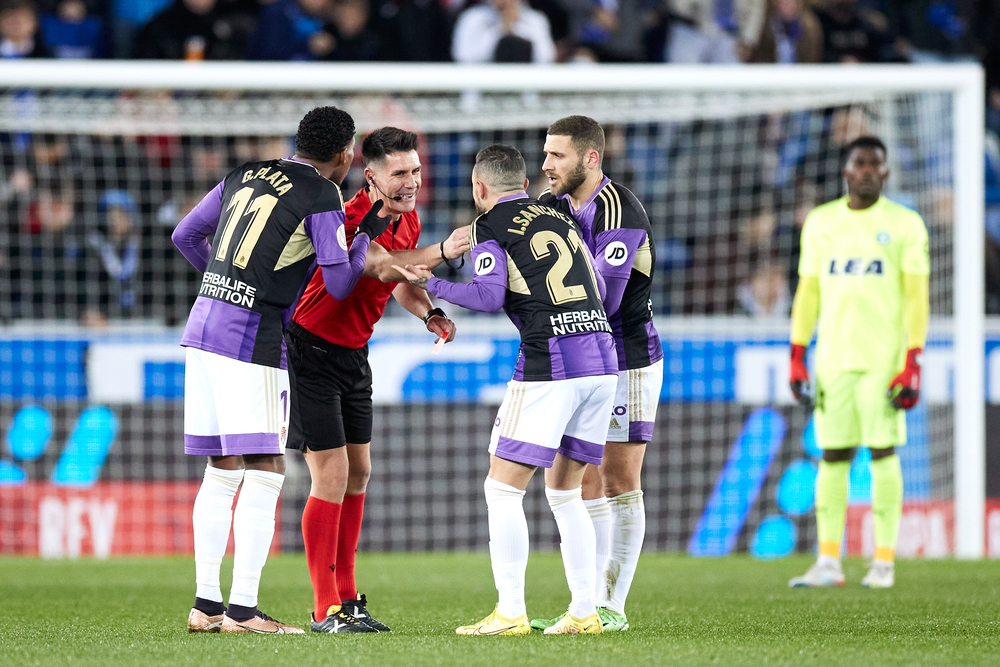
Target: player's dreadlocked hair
[(585, 133), (324, 132), (864, 141), (501, 167), (384, 142)]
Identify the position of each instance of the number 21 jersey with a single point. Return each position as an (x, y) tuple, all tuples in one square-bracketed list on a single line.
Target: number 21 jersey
[(552, 297)]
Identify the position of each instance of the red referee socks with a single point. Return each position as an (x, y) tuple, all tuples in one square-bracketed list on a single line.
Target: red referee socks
[(320, 531), (347, 547)]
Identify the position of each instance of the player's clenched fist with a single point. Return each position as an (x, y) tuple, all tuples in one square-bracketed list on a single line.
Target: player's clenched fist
[(457, 244), (798, 376), (904, 390)]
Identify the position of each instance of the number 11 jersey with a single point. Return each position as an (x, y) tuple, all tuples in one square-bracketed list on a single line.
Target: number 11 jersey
[(271, 222)]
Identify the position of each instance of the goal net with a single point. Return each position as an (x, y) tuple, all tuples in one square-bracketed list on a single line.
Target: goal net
[(98, 163)]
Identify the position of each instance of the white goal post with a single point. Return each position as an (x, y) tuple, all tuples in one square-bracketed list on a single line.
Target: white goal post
[(525, 88)]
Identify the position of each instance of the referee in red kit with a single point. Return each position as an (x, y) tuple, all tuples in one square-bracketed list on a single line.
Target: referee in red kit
[(331, 380)]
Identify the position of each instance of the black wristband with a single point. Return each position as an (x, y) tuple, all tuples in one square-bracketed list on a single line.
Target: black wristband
[(431, 313), (448, 261)]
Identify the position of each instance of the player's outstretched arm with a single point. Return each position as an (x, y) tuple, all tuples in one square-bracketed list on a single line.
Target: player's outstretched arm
[(341, 277), (904, 389), (805, 309), (480, 295), (379, 263)]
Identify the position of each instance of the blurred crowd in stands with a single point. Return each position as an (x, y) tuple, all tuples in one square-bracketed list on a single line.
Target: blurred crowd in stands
[(85, 220), (677, 31)]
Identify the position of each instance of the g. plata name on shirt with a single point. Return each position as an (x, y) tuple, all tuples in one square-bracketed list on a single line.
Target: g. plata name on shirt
[(579, 321), (278, 181), (231, 290)]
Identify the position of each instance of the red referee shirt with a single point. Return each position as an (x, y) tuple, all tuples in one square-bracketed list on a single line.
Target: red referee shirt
[(350, 323)]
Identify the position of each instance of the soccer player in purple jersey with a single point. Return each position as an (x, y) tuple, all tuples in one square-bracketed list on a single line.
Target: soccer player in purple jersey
[(618, 234), (531, 260), (257, 237)]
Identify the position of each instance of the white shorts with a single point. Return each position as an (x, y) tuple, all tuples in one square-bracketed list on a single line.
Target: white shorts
[(233, 407), (538, 419), (636, 398)]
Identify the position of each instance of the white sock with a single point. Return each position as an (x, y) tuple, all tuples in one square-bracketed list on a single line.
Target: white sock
[(508, 545), (578, 544), (828, 561), (628, 528), (253, 528), (600, 516), (212, 516)]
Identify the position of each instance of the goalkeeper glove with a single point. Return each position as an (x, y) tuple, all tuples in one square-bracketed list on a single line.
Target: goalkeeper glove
[(904, 390), (372, 224), (798, 377)]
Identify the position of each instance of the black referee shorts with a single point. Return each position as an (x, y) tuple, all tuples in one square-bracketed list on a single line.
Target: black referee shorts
[(331, 393)]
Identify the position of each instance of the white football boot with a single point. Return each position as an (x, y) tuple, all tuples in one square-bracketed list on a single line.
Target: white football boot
[(881, 575), (823, 573)]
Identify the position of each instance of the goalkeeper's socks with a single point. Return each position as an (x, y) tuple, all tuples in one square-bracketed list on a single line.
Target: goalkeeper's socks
[(887, 505), (508, 544), (212, 517), (320, 529), (253, 529), (351, 514), (600, 515), (578, 544), (831, 505), (628, 529)]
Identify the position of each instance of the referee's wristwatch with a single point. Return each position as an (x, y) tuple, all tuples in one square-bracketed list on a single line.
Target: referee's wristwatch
[(431, 313)]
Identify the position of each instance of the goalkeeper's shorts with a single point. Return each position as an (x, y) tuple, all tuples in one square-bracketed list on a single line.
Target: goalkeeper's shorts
[(233, 407), (634, 411), (852, 409)]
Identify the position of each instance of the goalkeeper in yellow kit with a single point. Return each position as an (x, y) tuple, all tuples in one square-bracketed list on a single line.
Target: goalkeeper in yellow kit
[(863, 273)]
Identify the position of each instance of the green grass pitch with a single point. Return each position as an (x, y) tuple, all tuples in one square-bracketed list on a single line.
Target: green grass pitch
[(683, 611)]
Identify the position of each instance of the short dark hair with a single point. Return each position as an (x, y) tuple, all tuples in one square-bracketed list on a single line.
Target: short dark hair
[(385, 141), (15, 5), (864, 141), (585, 133), (323, 133), (502, 167)]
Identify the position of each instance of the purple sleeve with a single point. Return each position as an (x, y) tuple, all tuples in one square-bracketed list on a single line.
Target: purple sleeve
[(615, 291), (341, 269), (615, 253), (328, 236), (341, 278), (192, 233), (488, 289), (602, 285)]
